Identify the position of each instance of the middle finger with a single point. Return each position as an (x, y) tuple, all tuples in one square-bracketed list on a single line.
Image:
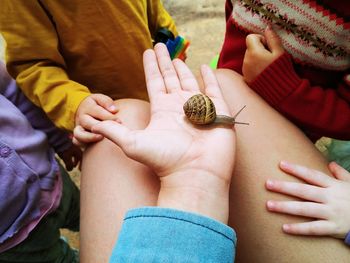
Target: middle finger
[(171, 79)]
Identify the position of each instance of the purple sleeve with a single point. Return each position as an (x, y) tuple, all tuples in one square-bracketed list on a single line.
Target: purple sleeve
[(57, 138), (347, 239)]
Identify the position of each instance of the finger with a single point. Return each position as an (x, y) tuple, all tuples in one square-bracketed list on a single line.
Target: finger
[(308, 175), (211, 84), (255, 41), (85, 137), (154, 80), (339, 172), (273, 41), (69, 165), (313, 228), (117, 133), (171, 80), (79, 143), (300, 190), (105, 102), (87, 121), (100, 113), (212, 89), (297, 208), (187, 79), (77, 158)]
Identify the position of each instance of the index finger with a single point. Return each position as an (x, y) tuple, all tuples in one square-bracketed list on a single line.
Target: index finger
[(154, 80)]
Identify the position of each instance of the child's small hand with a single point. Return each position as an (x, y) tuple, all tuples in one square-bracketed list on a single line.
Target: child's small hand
[(258, 57), (326, 200), (92, 110), (71, 157)]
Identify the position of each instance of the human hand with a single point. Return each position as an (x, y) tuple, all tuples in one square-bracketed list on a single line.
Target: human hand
[(257, 56), (71, 157), (194, 164), (325, 199), (92, 109)]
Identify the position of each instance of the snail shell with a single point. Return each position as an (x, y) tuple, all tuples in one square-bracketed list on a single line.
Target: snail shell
[(200, 109)]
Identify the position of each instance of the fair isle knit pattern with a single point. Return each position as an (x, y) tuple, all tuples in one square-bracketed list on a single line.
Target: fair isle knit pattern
[(309, 32)]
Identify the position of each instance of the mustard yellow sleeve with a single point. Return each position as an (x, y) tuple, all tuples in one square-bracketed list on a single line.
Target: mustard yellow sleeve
[(33, 59), (159, 17)]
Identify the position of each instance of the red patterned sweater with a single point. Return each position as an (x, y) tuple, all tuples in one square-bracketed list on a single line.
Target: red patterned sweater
[(306, 84)]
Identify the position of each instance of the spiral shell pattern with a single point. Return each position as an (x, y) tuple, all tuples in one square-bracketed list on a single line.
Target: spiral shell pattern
[(200, 109)]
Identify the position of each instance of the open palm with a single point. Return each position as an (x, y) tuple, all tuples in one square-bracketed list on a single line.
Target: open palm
[(170, 144)]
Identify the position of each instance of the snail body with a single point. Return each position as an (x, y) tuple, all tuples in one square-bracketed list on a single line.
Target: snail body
[(200, 110)]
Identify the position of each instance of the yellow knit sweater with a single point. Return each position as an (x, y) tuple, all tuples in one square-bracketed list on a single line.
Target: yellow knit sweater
[(61, 51)]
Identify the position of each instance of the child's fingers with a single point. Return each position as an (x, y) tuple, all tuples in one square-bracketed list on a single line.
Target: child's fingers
[(309, 175), (117, 133), (211, 84), (273, 41), (87, 121), (255, 42), (154, 79), (81, 136), (297, 208), (100, 113), (339, 172), (95, 115), (300, 190), (171, 80), (105, 102), (187, 79), (313, 228), (212, 89)]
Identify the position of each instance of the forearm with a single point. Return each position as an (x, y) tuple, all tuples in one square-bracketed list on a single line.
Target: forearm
[(318, 110), (34, 60), (168, 235), (58, 96)]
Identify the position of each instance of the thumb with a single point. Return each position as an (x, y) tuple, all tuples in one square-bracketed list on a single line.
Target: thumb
[(117, 133), (255, 41), (273, 41), (339, 172), (105, 102)]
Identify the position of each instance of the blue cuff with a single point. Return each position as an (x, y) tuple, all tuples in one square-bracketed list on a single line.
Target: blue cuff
[(152, 234)]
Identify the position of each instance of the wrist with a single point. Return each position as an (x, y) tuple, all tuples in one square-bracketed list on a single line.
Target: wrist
[(198, 193)]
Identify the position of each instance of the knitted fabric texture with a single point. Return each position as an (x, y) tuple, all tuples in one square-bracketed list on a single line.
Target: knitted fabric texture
[(311, 33)]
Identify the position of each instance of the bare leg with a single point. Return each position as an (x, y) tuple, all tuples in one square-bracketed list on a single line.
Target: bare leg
[(111, 184), (269, 139)]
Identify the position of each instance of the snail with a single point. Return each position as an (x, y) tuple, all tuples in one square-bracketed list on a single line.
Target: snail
[(200, 109)]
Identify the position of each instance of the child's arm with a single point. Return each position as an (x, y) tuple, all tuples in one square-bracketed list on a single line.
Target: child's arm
[(319, 111), (158, 17), (325, 200), (33, 58)]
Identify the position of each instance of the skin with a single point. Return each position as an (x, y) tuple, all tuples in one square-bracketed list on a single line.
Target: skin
[(324, 200), (259, 149), (91, 110), (71, 157), (262, 50), (180, 171), (261, 146)]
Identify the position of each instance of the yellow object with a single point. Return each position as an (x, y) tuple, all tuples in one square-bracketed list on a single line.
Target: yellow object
[(62, 51)]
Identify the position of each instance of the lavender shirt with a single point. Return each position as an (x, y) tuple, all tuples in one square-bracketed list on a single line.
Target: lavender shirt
[(29, 174)]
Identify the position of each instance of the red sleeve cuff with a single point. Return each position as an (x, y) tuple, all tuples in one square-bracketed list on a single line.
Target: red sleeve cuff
[(277, 81)]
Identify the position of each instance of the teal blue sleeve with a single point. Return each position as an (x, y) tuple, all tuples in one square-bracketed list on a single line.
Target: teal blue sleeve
[(152, 234)]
